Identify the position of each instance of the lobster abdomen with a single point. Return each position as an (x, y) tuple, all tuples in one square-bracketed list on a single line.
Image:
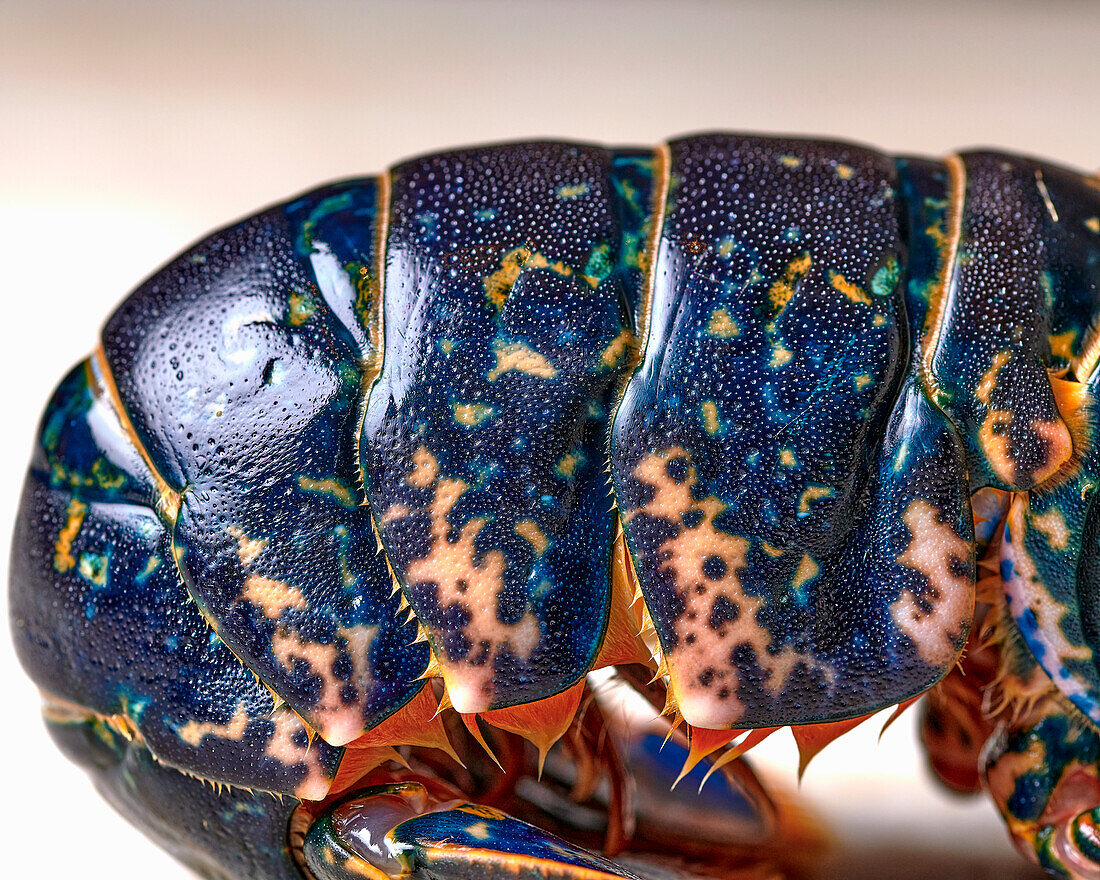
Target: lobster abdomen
[(800, 358)]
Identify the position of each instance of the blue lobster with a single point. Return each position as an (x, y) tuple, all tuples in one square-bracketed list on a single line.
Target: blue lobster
[(356, 495)]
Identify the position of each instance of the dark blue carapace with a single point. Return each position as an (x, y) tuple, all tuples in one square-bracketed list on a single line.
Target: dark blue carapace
[(783, 420)]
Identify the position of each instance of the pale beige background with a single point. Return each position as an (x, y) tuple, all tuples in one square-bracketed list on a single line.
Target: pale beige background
[(128, 129)]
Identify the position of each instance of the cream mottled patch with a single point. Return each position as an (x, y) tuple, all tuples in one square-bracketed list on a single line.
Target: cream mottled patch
[(248, 549), (396, 512), (708, 412), (1053, 526), (704, 563), (470, 415), (572, 190), (1026, 589), (521, 358), (338, 722), (282, 747), (993, 433), (566, 468), (781, 355), (1060, 446), (425, 469), (359, 639), (194, 732), (472, 585), (936, 620), (271, 596)]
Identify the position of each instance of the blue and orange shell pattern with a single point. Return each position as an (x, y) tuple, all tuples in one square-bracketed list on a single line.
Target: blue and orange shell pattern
[(757, 412)]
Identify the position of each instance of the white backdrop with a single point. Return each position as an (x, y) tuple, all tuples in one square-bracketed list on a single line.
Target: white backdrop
[(127, 131)]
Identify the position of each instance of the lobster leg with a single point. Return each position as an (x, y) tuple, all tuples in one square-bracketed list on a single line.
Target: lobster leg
[(1043, 771), (399, 830)]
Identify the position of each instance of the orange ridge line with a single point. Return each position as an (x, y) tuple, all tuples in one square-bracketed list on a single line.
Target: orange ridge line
[(944, 289), (169, 500)]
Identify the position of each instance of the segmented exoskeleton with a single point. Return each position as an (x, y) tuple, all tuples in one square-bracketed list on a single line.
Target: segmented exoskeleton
[(382, 473)]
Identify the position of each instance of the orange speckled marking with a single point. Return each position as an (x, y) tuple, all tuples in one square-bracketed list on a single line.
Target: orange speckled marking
[(521, 358), (721, 324), (566, 468), (359, 639), (475, 586), (938, 620), (332, 487), (781, 355), (712, 423), (1061, 344), (63, 559), (704, 682), (529, 530), (395, 512), (811, 494), (194, 732), (783, 289), (617, 348), (499, 283), (807, 570), (1002, 775), (853, 292), (994, 443)]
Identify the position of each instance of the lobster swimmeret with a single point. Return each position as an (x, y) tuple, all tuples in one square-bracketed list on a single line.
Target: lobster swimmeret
[(777, 419)]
